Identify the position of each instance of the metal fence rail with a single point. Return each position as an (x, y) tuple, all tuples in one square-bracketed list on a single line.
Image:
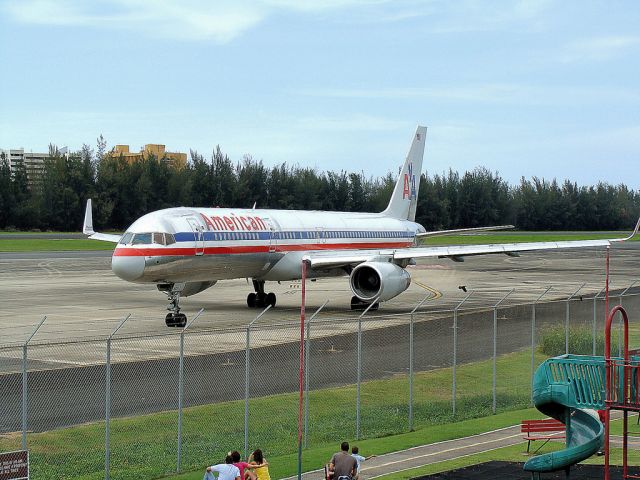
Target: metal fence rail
[(194, 394)]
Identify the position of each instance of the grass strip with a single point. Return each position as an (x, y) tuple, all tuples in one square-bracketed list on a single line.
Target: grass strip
[(53, 245)]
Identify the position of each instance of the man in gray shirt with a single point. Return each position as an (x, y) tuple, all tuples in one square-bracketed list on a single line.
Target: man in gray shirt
[(342, 464)]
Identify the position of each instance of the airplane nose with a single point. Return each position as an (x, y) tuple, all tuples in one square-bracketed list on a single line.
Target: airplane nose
[(128, 268)]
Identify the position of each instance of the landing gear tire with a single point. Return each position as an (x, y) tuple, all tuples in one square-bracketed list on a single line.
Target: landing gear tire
[(176, 320), (271, 299), (357, 304), (251, 300), (259, 299)]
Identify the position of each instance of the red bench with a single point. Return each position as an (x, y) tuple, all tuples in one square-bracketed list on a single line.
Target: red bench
[(546, 430)]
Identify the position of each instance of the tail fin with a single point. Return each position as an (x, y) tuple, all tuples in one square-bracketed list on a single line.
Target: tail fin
[(405, 194)]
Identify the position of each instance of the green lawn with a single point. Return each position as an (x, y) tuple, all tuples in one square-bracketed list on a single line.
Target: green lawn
[(52, 245)]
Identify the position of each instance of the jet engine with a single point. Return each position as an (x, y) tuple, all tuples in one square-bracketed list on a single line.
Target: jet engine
[(378, 279), (191, 288)]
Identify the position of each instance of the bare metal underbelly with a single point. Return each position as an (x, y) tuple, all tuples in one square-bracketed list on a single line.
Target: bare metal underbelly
[(202, 268)]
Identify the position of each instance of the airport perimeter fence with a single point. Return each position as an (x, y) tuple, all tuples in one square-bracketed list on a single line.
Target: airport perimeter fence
[(127, 407)]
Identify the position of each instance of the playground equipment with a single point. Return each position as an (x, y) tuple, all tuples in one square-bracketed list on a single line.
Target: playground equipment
[(565, 388), (570, 387), (622, 381)]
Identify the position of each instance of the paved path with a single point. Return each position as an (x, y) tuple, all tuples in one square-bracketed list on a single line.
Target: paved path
[(447, 450), (433, 453)]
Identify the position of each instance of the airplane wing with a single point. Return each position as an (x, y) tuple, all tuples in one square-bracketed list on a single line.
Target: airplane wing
[(87, 228), (327, 259)]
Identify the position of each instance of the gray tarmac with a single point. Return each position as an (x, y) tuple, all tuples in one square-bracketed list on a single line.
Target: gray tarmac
[(83, 299)]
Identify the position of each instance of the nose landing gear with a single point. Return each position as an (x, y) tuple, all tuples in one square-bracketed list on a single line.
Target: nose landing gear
[(174, 318), (259, 299)]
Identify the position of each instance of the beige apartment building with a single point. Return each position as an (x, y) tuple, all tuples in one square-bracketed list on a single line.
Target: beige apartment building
[(178, 159)]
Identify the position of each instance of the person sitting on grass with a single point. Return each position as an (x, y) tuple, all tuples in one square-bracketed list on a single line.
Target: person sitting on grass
[(259, 465), (226, 470), (244, 467)]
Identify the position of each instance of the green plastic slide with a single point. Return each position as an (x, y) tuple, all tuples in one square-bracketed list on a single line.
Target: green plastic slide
[(569, 388)]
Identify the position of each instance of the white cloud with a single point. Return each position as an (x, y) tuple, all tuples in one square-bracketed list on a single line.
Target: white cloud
[(597, 48), (220, 21)]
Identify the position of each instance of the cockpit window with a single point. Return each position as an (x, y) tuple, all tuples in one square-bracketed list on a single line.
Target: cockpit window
[(126, 238), (141, 239), (169, 238), (158, 238)]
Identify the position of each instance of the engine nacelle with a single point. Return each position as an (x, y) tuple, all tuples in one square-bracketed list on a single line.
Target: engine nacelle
[(378, 279), (191, 288)]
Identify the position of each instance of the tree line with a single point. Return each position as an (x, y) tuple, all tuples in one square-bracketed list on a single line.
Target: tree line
[(124, 191)]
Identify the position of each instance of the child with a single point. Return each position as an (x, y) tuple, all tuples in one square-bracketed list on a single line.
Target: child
[(260, 465), (359, 459)]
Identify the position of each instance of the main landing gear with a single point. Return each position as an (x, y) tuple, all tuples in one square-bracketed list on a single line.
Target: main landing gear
[(174, 318), (260, 299), (357, 304)]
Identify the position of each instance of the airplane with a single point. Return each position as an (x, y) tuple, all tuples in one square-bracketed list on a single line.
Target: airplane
[(184, 251)]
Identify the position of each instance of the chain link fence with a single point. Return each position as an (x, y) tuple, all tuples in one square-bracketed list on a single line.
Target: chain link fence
[(125, 407)]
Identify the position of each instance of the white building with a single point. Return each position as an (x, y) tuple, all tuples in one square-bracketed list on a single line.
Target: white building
[(33, 162)]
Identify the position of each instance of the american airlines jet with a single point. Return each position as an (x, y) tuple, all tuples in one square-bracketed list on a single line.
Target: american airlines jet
[(187, 250)]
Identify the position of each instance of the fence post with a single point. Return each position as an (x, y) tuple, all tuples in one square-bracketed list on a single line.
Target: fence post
[(25, 390), (246, 381), (306, 373), (454, 381), (495, 346), (533, 337), (594, 333), (359, 381), (181, 388), (620, 320), (411, 355), (107, 403), (566, 318)]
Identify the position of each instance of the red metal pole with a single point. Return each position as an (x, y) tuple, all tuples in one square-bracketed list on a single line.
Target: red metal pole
[(607, 369), (606, 285), (302, 305)]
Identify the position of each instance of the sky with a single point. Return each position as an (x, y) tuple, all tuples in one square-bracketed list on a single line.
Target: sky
[(523, 88)]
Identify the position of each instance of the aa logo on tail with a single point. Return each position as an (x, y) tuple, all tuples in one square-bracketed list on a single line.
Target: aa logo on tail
[(409, 190)]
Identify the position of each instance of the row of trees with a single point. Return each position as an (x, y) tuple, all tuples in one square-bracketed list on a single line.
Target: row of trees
[(124, 191)]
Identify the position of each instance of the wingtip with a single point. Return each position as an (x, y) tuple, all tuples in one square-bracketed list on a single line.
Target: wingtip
[(633, 234), (87, 227)]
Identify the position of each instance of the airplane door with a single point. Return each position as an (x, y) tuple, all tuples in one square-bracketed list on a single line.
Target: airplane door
[(198, 232), (273, 235)]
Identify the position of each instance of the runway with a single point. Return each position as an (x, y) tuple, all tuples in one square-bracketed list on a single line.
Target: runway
[(83, 299)]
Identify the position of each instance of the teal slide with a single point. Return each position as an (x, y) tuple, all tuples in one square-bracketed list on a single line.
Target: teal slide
[(568, 388)]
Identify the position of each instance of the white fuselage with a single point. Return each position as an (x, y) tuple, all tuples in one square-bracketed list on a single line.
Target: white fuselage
[(209, 244)]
